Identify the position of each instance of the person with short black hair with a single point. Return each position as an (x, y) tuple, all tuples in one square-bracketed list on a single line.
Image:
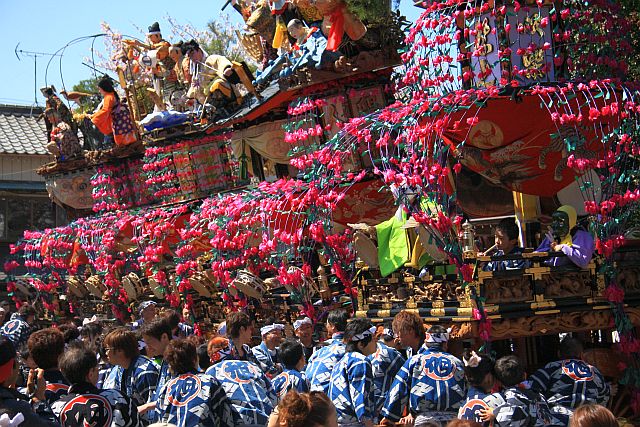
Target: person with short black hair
[(91, 335), (291, 378), (70, 332), (12, 403), (192, 398), (46, 346), (506, 235), (351, 388), (157, 335), (336, 325), (515, 405), (570, 381), (85, 404), (18, 328), (386, 362), (430, 384), (267, 351), (178, 329), (478, 370), (134, 375)]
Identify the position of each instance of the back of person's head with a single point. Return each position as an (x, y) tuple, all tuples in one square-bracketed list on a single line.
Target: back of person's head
[(570, 348), (172, 317), (462, 423), (69, 331), (358, 332), (181, 355), (91, 330), (437, 336), (203, 357), (106, 84), (509, 371), (509, 227), (46, 346), (123, 339), (312, 409), (290, 353), (156, 328), (7, 358), (477, 367), (406, 321), (235, 321), (76, 363), (26, 311), (592, 415), (339, 319)]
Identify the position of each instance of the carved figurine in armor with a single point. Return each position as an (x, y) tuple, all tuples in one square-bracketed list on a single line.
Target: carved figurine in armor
[(63, 141), (400, 239)]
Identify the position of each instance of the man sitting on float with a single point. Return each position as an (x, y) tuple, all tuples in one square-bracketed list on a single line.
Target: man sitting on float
[(506, 238), (567, 237), (401, 240)]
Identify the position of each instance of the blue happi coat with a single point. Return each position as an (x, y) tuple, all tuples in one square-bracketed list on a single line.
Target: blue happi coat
[(351, 389), (470, 409), (521, 407), (289, 379), (248, 388), (267, 358), (386, 362), (138, 381), (163, 378), (429, 383), (17, 330), (195, 399), (321, 364), (567, 384)]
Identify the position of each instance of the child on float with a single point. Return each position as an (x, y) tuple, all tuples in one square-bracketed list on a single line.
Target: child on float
[(291, 356), (351, 389)]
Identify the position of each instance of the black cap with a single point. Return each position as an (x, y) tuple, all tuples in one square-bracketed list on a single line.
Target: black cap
[(154, 29)]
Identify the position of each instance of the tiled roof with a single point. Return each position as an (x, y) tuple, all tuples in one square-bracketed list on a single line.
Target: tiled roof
[(20, 131)]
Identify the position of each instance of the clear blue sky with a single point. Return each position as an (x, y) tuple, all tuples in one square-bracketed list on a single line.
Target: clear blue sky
[(46, 26)]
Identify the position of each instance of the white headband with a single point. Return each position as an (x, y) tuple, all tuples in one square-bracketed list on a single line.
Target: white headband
[(437, 337), (369, 332), (472, 361), (300, 322), (388, 331), (268, 328)]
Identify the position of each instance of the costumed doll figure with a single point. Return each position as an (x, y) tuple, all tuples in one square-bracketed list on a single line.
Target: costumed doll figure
[(567, 237), (400, 239), (55, 103), (63, 141), (220, 77)]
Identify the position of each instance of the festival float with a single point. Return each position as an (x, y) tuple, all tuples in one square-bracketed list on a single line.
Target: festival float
[(327, 179)]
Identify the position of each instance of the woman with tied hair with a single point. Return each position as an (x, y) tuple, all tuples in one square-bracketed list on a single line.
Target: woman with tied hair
[(592, 415), (478, 370), (351, 388), (312, 409), (192, 398)]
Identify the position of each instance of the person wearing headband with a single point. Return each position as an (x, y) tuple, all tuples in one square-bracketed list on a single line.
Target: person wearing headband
[(303, 328), (570, 382), (267, 351), (12, 403), (386, 362), (430, 385), (351, 388), (568, 237), (148, 311)]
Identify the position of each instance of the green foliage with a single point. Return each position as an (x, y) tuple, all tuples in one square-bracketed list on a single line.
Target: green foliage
[(222, 40), (370, 11), (87, 103)]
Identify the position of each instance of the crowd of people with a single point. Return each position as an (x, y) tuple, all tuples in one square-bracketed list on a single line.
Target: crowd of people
[(157, 371)]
